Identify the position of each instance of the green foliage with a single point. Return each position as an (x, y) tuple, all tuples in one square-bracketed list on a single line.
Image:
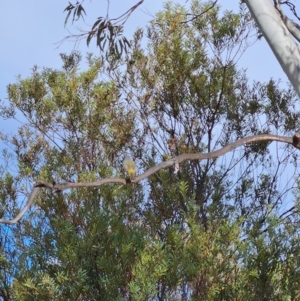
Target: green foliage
[(104, 30), (214, 230), (78, 11)]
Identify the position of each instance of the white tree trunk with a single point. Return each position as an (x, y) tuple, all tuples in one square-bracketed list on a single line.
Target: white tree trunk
[(278, 37)]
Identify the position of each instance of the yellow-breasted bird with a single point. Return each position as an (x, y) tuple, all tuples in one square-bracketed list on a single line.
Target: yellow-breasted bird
[(130, 167)]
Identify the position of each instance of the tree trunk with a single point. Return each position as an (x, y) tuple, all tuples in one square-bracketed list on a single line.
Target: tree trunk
[(278, 37)]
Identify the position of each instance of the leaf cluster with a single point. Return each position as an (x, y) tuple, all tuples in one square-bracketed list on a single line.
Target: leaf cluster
[(215, 230)]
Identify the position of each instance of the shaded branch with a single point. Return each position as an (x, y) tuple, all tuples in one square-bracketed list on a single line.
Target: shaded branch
[(295, 141)]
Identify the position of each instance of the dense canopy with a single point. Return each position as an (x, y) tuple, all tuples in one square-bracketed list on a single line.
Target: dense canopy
[(226, 228)]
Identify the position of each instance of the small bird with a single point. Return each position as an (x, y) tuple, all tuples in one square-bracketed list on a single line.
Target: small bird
[(130, 167)]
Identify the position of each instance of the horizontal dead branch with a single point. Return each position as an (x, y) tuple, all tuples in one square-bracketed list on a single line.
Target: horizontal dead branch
[(295, 141)]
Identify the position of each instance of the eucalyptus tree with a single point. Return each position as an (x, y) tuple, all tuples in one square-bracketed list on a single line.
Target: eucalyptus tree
[(221, 228), (280, 31)]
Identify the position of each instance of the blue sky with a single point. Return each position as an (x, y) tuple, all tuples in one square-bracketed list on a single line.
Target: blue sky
[(30, 30)]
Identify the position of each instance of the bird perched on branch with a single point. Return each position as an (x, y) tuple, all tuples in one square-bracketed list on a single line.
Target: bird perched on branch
[(130, 167)]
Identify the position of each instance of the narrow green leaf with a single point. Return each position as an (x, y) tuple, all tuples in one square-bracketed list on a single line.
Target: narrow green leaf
[(100, 40), (111, 30), (126, 42), (99, 32), (121, 46), (68, 15), (96, 23), (82, 9), (74, 14), (88, 40), (78, 12), (102, 47), (69, 7), (117, 49)]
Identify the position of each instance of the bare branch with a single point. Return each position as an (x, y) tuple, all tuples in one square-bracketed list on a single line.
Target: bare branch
[(198, 15), (23, 211), (292, 26), (287, 211), (295, 141), (292, 8), (126, 15)]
